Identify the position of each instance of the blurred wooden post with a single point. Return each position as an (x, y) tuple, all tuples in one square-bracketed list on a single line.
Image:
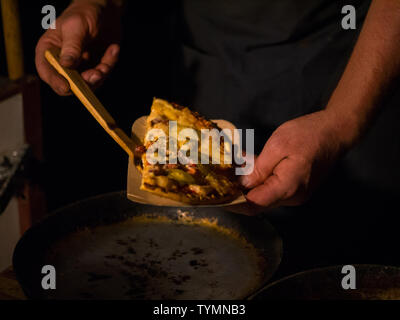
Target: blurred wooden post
[(32, 205), (12, 38)]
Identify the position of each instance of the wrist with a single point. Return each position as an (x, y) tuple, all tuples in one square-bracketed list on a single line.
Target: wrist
[(346, 127)]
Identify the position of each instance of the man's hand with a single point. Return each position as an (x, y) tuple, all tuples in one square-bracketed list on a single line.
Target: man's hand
[(294, 159), (77, 30)]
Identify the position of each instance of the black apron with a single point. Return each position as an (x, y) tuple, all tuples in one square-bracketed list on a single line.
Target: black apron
[(259, 63)]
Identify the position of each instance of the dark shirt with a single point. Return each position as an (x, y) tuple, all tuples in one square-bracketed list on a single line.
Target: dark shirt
[(259, 63)]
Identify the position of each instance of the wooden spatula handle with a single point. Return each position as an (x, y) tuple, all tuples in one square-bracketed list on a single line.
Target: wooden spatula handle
[(83, 92)]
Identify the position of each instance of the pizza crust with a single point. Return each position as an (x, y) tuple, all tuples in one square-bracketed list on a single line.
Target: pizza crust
[(181, 197)]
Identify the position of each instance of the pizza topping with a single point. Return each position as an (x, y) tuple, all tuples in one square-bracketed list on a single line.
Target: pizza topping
[(163, 182), (220, 183), (191, 170), (139, 150), (157, 171), (177, 106), (181, 176), (160, 119), (171, 166), (189, 182), (202, 191), (185, 189)]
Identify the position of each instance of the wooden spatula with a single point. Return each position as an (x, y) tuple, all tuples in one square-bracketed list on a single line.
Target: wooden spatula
[(83, 92)]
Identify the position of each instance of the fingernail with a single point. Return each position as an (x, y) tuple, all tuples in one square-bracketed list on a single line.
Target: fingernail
[(94, 78), (114, 51)]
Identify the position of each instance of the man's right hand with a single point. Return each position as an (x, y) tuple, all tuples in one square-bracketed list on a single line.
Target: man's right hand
[(76, 30)]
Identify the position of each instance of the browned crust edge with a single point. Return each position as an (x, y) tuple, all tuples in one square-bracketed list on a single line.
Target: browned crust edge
[(181, 197)]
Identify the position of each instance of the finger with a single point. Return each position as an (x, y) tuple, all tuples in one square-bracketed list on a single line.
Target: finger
[(109, 59), (92, 76), (264, 164), (47, 73), (98, 74), (73, 35), (281, 186), (271, 191), (87, 74)]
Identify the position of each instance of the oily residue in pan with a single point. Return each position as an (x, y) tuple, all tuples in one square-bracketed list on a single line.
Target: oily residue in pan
[(155, 257)]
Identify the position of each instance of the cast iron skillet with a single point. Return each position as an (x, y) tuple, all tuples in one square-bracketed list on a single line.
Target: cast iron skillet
[(99, 254), (373, 282)]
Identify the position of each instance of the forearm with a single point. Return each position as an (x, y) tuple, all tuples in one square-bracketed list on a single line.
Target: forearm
[(374, 63)]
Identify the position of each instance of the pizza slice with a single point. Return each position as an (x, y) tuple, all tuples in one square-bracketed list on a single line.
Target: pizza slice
[(193, 183)]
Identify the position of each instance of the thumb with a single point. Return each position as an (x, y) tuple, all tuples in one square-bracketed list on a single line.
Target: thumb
[(73, 35), (263, 167)]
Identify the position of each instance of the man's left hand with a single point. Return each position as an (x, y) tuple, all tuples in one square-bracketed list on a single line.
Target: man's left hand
[(294, 159)]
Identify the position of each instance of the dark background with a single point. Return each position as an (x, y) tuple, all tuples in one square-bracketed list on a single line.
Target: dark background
[(353, 218), (80, 158)]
